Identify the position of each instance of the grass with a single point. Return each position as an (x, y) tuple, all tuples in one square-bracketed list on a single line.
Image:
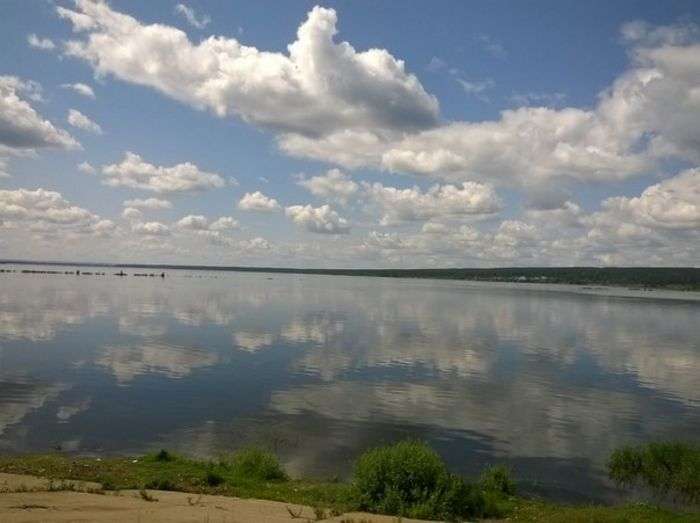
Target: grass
[(638, 513), (670, 469), (228, 476), (406, 479)]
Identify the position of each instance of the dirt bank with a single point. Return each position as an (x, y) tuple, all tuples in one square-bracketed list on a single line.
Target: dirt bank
[(31, 499)]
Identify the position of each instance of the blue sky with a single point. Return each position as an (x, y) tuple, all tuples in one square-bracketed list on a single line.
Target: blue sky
[(392, 149)]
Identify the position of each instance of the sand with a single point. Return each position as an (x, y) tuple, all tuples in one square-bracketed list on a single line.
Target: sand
[(28, 499)]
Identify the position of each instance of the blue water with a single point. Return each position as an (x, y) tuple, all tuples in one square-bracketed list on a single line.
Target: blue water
[(319, 368)]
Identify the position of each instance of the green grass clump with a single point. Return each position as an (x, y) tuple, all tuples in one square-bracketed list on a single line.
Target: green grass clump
[(163, 455), (258, 464), (410, 479), (213, 478), (667, 468), (497, 479)]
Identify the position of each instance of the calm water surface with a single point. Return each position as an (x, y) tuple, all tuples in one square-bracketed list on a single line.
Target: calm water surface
[(322, 367)]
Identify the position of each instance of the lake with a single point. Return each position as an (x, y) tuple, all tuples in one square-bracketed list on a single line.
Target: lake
[(545, 379)]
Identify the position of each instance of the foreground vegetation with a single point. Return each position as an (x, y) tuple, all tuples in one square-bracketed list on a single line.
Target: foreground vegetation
[(669, 469), (405, 479)]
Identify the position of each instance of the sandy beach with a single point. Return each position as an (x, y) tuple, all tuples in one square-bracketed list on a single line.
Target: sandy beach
[(28, 499)]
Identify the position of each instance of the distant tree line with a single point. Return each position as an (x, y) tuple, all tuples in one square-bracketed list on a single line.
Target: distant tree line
[(682, 278)]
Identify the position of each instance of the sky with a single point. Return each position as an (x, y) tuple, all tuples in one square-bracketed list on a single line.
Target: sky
[(351, 133)]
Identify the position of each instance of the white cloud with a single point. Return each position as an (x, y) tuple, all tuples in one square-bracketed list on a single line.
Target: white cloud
[(45, 44), (191, 16), (319, 87), (330, 102), (21, 127), (641, 33), (491, 46), (511, 232), (3, 168), (135, 173), (104, 228), (201, 225), (538, 99), (44, 211), (568, 214), (533, 144), (649, 112), (322, 220), (79, 120), (131, 213), (673, 204), (148, 203), (254, 245), (194, 223), (349, 148), (224, 223), (403, 205), (476, 87), (334, 184), (436, 64), (81, 88), (150, 229), (87, 168), (257, 201)]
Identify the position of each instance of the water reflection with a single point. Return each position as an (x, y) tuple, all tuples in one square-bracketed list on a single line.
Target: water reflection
[(127, 362), (323, 367)]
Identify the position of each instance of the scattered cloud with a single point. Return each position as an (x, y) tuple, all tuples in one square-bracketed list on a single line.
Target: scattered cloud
[(135, 173), (46, 212), (491, 46), (537, 99), (21, 127), (198, 222), (3, 169), (405, 205), (82, 89), (476, 88), (131, 213), (436, 65), (150, 229), (322, 220), (673, 204), (191, 17), (45, 44), (152, 204), (194, 223), (86, 168), (333, 185), (224, 223), (318, 88), (79, 120), (258, 202)]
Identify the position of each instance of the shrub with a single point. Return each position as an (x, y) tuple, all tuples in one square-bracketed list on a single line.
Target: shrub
[(409, 479), (163, 455), (255, 463), (497, 479), (665, 467), (213, 479), (162, 483)]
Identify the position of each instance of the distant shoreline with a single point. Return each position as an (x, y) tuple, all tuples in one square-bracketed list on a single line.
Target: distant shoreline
[(671, 278)]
